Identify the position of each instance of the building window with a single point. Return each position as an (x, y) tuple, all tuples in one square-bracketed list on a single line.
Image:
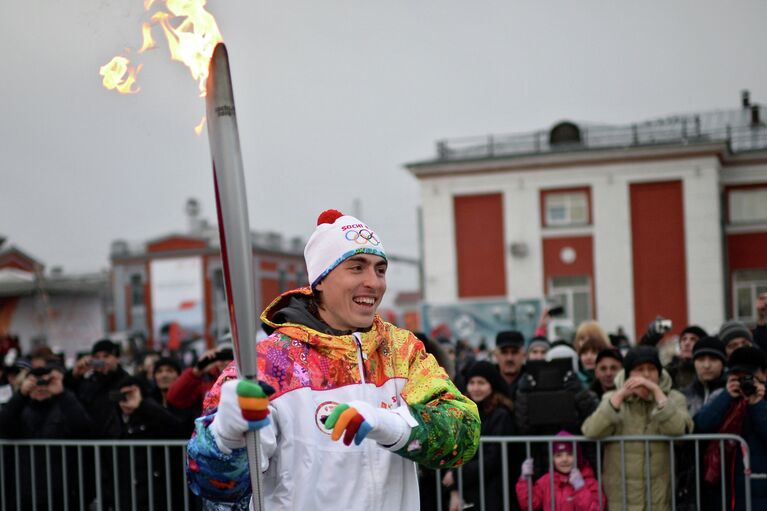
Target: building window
[(136, 290), (574, 294), (219, 289), (563, 208), (282, 280), (301, 278), (747, 287), (748, 206)]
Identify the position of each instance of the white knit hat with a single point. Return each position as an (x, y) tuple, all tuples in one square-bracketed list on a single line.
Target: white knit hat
[(337, 238)]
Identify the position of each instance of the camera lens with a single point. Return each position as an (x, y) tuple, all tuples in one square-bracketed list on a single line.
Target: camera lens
[(747, 386)]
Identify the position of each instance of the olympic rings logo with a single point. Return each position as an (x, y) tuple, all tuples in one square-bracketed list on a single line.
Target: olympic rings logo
[(362, 237)]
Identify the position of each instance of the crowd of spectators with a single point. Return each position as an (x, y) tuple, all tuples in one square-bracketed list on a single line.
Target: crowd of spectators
[(598, 386), (98, 399), (594, 384)]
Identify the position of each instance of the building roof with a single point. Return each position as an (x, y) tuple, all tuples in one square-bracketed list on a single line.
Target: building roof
[(16, 283), (742, 130), (13, 257), (208, 242)]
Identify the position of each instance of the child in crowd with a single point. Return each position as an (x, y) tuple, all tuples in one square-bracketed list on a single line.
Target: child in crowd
[(575, 487)]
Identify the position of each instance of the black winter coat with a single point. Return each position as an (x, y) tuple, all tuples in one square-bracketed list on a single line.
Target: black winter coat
[(60, 417), (499, 422), (93, 393)]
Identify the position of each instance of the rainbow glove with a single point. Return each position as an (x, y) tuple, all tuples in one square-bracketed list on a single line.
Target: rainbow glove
[(358, 420), (243, 407)]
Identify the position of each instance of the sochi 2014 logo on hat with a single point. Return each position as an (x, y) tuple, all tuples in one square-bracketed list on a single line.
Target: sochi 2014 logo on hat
[(322, 413), (360, 234)]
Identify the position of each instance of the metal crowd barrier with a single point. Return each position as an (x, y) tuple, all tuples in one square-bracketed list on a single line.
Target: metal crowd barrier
[(94, 475), (138, 475), (509, 491)]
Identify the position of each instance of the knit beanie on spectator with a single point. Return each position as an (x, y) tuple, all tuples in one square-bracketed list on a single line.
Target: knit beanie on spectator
[(709, 346), (563, 351), (694, 330), (337, 238), (610, 353), (539, 342), (732, 330), (168, 362), (562, 446), (640, 355), (488, 371), (746, 359), (106, 345)]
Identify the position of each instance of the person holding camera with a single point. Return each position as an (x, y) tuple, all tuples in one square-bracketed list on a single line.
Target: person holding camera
[(43, 409), (189, 390), (680, 367), (739, 409), (92, 379)]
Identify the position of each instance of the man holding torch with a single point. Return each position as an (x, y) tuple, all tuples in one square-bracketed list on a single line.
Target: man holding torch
[(353, 402)]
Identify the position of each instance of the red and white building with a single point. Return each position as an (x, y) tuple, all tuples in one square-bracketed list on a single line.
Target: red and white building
[(622, 223), (177, 280), (63, 311)]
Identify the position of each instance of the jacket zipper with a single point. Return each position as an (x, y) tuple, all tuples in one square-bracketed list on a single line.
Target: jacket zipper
[(360, 357), (371, 450)]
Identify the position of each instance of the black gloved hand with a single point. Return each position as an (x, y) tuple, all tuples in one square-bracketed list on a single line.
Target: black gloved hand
[(205, 361)]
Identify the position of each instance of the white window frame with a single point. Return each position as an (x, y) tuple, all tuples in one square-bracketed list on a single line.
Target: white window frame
[(760, 282), (566, 199), (744, 205), (569, 292)]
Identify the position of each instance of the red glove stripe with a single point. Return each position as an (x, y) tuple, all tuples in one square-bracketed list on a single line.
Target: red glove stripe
[(255, 415), (343, 421), (352, 428)]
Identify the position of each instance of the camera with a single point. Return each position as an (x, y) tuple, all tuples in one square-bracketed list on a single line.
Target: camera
[(225, 355), (43, 382), (116, 396), (97, 363), (747, 385), (662, 325)]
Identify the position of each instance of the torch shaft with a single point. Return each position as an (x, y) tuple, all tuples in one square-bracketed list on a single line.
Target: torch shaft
[(234, 233)]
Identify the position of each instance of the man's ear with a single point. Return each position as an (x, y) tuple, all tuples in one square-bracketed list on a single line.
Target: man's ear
[(318, 287)]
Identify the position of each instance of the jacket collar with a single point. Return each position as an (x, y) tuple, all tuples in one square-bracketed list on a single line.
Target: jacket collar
[(333, 343)]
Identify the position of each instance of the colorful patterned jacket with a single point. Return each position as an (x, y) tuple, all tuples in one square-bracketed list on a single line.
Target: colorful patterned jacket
[(312, 372)]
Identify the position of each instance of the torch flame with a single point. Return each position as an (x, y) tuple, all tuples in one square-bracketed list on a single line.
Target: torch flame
[(191, 42), (115, 78), (148, 40), (198, 128), (195, 38)]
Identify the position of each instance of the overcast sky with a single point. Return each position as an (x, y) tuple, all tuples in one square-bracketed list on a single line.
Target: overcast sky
[(332, 98)]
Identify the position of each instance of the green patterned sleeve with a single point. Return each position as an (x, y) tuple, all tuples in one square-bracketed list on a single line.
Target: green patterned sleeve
[(447, 434)]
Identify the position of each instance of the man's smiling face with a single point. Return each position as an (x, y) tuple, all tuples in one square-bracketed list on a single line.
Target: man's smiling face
[(352, 292)]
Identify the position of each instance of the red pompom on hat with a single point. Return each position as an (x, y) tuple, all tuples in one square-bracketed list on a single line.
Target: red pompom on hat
[(329, 216), (336, 238)]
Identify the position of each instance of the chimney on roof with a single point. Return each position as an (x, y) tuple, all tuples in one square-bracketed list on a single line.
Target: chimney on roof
[(192, 210), (755, 120), (745, 98)]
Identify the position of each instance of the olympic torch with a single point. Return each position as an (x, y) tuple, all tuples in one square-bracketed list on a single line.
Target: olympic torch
[(234, 232)]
